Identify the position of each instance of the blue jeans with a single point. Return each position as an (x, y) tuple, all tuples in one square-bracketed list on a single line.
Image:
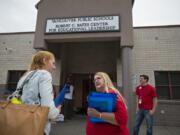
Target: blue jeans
[(141, 114)]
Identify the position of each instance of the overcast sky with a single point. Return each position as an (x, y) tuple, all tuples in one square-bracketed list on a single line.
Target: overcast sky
[(20, 15)]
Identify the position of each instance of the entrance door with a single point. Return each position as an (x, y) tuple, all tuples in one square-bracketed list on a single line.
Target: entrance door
[(83, 85), (88, 87)]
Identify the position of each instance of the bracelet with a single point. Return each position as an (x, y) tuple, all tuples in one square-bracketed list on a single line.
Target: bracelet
[(100, 115)]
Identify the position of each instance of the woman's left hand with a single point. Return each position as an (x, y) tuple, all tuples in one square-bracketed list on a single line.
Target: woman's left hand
[(93, 112)]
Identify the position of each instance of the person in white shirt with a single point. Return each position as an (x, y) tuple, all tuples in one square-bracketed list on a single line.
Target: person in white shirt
[(68, 103)]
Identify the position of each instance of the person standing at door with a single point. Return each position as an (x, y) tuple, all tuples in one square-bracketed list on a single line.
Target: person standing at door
[(146, 105), (68, 103), (116, 122)]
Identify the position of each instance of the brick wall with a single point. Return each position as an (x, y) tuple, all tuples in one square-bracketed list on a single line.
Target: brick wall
[(15, 53), (16, 50), (156, 49), (167, 113)]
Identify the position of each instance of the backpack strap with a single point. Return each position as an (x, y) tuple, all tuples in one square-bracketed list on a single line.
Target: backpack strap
[(19, 90), (26, 80)]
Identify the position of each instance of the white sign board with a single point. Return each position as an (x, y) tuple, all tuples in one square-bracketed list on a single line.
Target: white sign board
[(83, 24)]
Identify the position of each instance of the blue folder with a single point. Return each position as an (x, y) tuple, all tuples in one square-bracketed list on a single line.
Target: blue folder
[(103, 102), (60, 97)]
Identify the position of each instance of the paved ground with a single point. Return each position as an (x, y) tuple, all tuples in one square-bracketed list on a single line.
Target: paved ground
[(76, 126)]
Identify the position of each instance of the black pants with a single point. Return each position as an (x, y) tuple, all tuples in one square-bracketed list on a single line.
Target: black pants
[(68, 109)]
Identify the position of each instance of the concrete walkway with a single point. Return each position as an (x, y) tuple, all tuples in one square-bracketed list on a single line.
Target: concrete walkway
[(77, 126)]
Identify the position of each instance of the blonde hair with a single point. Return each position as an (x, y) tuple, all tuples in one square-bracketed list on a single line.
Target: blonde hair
[(109, 84), (40, 59)]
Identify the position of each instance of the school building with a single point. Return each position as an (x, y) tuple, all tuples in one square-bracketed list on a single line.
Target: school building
[(90, 36)]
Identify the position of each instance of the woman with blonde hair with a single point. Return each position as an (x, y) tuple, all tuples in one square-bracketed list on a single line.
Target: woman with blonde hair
[(116, 122), (39, 89)]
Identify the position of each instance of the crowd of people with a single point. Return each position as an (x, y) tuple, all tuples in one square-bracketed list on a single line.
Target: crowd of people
[(39, 90)]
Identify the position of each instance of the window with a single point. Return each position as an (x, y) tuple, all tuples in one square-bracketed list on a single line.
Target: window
[(168, 84), (13, 78)]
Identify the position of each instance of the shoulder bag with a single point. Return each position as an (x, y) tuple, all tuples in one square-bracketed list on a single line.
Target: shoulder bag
[(22, 119)]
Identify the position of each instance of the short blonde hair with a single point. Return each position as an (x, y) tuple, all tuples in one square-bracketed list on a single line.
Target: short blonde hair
[(40, 59)]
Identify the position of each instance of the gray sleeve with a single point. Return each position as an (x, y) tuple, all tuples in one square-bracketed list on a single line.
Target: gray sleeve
[(46, 94)]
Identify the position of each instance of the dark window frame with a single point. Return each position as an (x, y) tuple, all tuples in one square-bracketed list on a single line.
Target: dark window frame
[(167, 85), (13, 78)]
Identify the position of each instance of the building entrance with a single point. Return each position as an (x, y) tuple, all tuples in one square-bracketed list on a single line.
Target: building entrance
[(81, 60), (83, 85)]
